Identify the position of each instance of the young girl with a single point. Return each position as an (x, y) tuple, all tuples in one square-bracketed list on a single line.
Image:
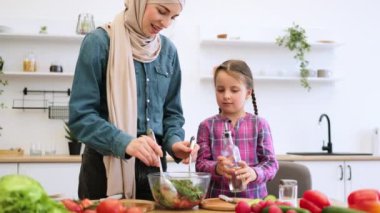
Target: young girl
[(250, 133)]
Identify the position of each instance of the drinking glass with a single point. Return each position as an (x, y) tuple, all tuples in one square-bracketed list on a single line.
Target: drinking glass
[(85, 23), (35, 149), (50, 149), (288, 191)]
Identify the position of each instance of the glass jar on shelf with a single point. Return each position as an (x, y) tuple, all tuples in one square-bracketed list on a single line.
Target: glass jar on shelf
[(29, 63), (85, 23)]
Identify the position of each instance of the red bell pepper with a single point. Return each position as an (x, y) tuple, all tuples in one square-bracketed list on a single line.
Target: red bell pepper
[(367, 200), (363, 195), (314, 201), (317, 197), (309, 205)]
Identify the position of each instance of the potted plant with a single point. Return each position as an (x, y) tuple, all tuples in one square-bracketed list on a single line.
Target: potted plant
[(74, 144), (296, 41)]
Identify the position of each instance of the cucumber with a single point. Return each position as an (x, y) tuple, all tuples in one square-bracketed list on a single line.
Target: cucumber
[(338, 209), (270, 197), (286, 208)]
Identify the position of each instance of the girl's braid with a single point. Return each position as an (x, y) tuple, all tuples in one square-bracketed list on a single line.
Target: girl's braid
[(254, 102)]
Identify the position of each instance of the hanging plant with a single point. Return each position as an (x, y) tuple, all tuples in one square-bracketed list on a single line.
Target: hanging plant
[(296, 41), (2, 82)]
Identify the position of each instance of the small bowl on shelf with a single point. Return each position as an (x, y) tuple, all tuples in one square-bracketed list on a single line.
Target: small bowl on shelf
[(191, 188), (56, 68)]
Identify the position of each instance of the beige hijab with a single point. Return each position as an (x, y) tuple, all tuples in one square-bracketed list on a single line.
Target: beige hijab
[(127, 42)]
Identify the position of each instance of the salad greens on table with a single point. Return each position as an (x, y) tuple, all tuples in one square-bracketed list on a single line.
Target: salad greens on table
[(188, 195), (20, 194)]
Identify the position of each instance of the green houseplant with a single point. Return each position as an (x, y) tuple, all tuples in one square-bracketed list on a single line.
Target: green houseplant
[(2, 82), (74, 144), (295, 40)]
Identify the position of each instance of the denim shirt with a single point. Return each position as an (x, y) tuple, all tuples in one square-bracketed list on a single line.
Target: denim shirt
[(158, 98)]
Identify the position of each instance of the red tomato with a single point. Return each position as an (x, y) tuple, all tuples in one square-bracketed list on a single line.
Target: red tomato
[(256, 208), (71, 205), (281, 203), (89, 211), (85, 203), (111, 206), (306, 204), (184, 204), (274, 209), (317, 197), (361, 195), (134, 210), (242, 207)]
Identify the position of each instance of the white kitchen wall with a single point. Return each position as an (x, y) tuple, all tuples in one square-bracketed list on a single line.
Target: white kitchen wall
[(352, 102)]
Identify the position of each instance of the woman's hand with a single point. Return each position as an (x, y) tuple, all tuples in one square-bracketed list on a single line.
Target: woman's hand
[(245, 173), (145, 149), (182, 150)]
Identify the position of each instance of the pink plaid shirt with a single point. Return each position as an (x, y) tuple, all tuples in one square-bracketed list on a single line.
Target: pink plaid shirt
[(253, 137)]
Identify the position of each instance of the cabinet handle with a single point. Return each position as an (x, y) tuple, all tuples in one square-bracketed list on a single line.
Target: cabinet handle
[(341, 172), (349, 172)]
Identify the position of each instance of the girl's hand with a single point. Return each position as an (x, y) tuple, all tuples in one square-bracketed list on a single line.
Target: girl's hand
[(182, 151), (245, 173), (224, 167)]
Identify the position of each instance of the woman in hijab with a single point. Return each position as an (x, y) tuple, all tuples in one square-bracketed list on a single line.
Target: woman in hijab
[(127, 80)]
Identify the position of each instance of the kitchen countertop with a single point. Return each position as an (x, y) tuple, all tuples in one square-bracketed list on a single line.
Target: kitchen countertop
[(77, 158), (285, 157), (41, 159)]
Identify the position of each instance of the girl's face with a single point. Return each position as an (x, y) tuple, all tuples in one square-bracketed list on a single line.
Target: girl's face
[(158, 17), (231, 94)]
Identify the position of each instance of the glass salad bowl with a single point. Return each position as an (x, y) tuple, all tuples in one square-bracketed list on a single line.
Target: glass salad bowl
[(190, 189)]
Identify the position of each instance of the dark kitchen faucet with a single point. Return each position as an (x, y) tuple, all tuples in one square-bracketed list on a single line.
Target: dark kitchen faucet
[(329, 147)]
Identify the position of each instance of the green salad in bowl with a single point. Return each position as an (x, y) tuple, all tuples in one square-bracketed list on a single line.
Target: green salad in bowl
[(191, 188)]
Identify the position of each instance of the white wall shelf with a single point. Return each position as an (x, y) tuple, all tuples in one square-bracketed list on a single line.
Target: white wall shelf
[(59, 49), (268, 61), (36, 74), (285, 78), (257, 43), (43, 37)]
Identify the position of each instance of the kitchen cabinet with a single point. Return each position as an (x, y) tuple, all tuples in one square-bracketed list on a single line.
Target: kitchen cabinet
[(338, 178), (362, 174), (8, 168), (56, 178), (268, 61)]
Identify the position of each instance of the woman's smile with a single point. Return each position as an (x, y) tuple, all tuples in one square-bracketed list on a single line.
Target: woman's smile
[(155, 29)]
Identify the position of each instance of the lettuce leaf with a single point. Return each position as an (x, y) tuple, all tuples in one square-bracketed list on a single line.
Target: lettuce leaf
[(20, 193)]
